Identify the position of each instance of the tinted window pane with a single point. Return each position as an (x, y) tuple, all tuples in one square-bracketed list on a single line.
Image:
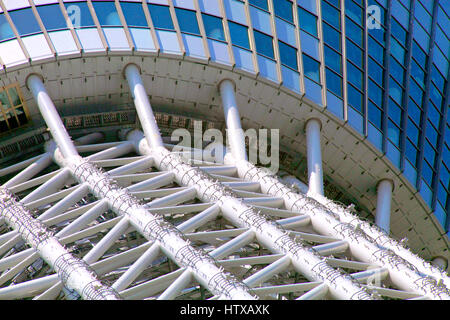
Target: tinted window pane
[(25, 21), (334, 82), (288, 55), (332, 59), (375, 93), (5, 29), (376, 71), (311, 68), (354, 53), (331, 37), (239, 35), (331, 15), (308, 21), (354, 98), (376, 51), (283, 9), (52, 17), (79, 14), (106, 13), (161, 16), (213, 27), (354, 75), (187, 20), (354, 32), (264, 44), (134, 15), (375, 115), (353, 11), (259, 3)]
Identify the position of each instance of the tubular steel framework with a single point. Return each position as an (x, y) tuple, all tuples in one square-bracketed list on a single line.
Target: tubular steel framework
[(134, 220)]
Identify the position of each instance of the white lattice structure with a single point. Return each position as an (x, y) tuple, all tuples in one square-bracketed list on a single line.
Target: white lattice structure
[(131, 219)]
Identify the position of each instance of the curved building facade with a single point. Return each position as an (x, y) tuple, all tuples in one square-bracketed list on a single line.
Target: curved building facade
[(372, 75)]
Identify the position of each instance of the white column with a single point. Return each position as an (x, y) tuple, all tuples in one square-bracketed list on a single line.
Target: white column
[(383, 212), (314, 155), (440, 262), (144, 110), (51, 116), (235, 133)]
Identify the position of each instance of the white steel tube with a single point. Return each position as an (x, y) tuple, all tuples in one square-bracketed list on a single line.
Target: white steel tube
[(361, 244), (145, 112), (175, 287), (235, 210), (347, 227), (314, 156), (235, 133), (73, 272), (151, 226), (51, 117), (137, 268), (32, 170), (377, 235), (383, 211), (315, 294), (239, 213)]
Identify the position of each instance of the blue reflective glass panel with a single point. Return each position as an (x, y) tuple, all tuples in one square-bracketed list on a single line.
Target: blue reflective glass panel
[(288, 55), (353, 11), (395, 112), (311, 68), (25, 21), (332, 59), (259, 3), (134, 14), (106, 13), (334, 82), (161, 17), (187, 20), (5, 29), (398, 31), (264, 44), (411, 152), (412, 132), (331, 37), (79, 14), (213, 27), (354, 75), (376, 51), (354, 32), (308, 21), (52, 17), (414, 112), (239, 35), (354, 53), (375, 115), (376, 71), (397, 71), (283, 9), (355, 98), (331, 15), (375, 93), (393, 133)]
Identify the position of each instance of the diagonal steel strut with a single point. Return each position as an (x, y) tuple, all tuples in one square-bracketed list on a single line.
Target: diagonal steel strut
[(268, 232), (74, 273), (151, 226)]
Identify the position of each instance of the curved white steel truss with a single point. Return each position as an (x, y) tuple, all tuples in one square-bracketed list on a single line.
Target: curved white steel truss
[(145, 224)]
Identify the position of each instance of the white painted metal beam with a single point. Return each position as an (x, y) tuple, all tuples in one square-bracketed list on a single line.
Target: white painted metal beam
[(72, 271), (383, 211)]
